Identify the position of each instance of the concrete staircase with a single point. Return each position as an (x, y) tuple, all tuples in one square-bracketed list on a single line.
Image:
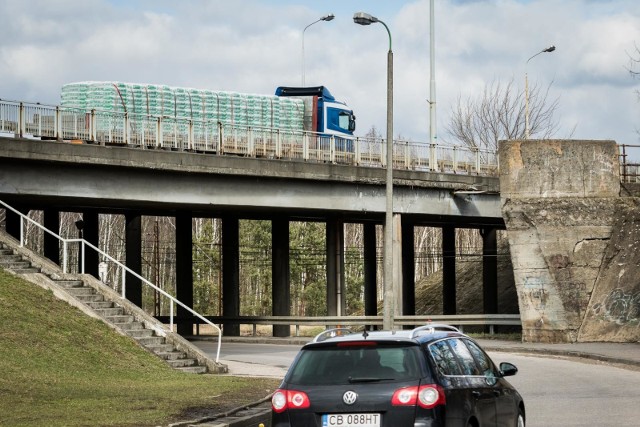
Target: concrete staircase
[(98, 300)]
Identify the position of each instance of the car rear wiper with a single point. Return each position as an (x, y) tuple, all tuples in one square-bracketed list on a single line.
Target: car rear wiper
[(368, 379)]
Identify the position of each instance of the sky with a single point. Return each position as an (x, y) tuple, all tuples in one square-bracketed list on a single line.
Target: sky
[(254, 46)]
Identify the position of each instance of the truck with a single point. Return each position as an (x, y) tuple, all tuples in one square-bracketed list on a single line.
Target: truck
[(290, 110)]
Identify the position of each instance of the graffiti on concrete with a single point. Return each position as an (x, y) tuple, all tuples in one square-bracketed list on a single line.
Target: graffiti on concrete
[(620, 307)]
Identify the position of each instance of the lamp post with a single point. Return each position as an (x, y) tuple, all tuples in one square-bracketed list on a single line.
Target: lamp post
[(388, 305), (327, 18), (526, 90)]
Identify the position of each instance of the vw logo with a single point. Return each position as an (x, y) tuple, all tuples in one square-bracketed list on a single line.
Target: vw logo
[(350, 397)]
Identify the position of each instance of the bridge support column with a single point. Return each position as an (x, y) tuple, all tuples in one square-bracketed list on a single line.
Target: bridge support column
[(370, 270), (408, 269), (133, 256), (398, 286), (448, 270), (489, 270), (280, 277), (51, 222), (184, 271), (91, 233), (335, 268), (231, 273)]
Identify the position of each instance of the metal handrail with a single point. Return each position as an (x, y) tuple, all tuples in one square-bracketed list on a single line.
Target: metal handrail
[(124, 268)]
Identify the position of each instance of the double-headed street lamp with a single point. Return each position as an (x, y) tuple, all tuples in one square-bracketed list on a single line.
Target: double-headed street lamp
[(526, 91), (388, 302), (328, 17)]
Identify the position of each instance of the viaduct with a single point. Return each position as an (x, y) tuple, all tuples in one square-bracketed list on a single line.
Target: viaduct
[(572, 228)]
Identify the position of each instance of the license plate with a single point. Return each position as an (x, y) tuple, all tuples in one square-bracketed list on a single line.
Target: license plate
[(351, 420)]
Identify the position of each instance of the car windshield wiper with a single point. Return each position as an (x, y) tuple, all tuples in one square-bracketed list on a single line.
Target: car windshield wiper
[(368, 379)]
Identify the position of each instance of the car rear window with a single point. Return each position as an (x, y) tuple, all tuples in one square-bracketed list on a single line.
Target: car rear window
[(349, 363)]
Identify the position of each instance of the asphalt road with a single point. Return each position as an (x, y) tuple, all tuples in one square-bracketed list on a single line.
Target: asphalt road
[(558, 392)]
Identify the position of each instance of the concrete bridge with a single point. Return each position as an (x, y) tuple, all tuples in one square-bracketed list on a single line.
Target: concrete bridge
[(569, 222)]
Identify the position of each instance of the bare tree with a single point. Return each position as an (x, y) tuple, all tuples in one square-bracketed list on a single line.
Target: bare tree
[(499, 113)]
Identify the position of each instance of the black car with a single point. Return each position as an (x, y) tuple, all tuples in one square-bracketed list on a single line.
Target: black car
[(431, 376)]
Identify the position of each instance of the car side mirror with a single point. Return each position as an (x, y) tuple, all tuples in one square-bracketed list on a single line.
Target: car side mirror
[(508, 369)]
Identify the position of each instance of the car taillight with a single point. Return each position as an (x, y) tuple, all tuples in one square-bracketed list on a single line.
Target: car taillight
[(289, 399), (427, 396), (430, 396)]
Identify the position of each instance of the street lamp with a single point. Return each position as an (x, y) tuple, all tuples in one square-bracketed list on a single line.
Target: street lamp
[(526, 90), (388, 304), (327, 18)]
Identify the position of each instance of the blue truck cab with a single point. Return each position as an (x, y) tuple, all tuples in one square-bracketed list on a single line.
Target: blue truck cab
[(322, 113)]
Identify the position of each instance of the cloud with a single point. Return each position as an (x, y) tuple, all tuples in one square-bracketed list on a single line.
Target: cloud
[(254, 46)]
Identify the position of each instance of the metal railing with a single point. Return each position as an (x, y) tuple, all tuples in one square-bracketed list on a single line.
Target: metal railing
[(124, 270), (458, 320), (629, 169), (184, 134)]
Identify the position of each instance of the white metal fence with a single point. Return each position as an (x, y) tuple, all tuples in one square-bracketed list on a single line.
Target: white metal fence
[(183, 134)]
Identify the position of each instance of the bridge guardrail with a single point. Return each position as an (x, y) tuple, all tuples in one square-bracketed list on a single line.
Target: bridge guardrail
[(459, 320), (185, 134)]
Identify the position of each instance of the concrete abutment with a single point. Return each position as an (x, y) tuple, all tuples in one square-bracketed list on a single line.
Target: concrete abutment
[(571, 236)]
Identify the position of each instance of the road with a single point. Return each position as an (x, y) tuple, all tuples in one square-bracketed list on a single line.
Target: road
[(558, 392)]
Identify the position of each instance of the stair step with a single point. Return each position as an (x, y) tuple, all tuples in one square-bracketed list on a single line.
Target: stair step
[(90, 298), (193, 369), (131, 326), (125, 318), (140, 333), (110, 312), (160, 348), (15, 264), (182, 363), (84, 290), (151, 340), (96, 305), (70, 283), (10, 257), (171, 355), (28, 270), (5, 251)]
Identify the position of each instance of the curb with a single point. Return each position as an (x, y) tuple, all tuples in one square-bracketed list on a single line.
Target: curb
[(242, 416)]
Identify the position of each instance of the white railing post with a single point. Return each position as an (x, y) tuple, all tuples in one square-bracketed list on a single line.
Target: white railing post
[(21, 232), (93, 132), (278, 144), (332, 149), (407, 161), (356, 147), (190, 135), (455, 159), (125, 131), (83, 255), (219, 148), (56, 124), (433, 160), (21, 121), (251, 151), (305, 146), (124, 282), (171, 315), (65, 257), (477, 161)]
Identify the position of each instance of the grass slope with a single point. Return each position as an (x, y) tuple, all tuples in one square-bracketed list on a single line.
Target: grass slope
[(59, 367)]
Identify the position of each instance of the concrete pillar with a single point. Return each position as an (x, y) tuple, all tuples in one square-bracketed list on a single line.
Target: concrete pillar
[(231, 273), (489, 270), (51, 244), (280, 277), (184, 271), (448, 269), (370, 270), (91, 233), (133, 256), (408, 269), (336, 297)]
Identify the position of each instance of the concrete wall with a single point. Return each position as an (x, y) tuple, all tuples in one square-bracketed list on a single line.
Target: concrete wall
[(572, 238)]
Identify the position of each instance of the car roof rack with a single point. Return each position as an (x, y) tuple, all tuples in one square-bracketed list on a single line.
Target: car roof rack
[(330, 333), (431, 328)]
